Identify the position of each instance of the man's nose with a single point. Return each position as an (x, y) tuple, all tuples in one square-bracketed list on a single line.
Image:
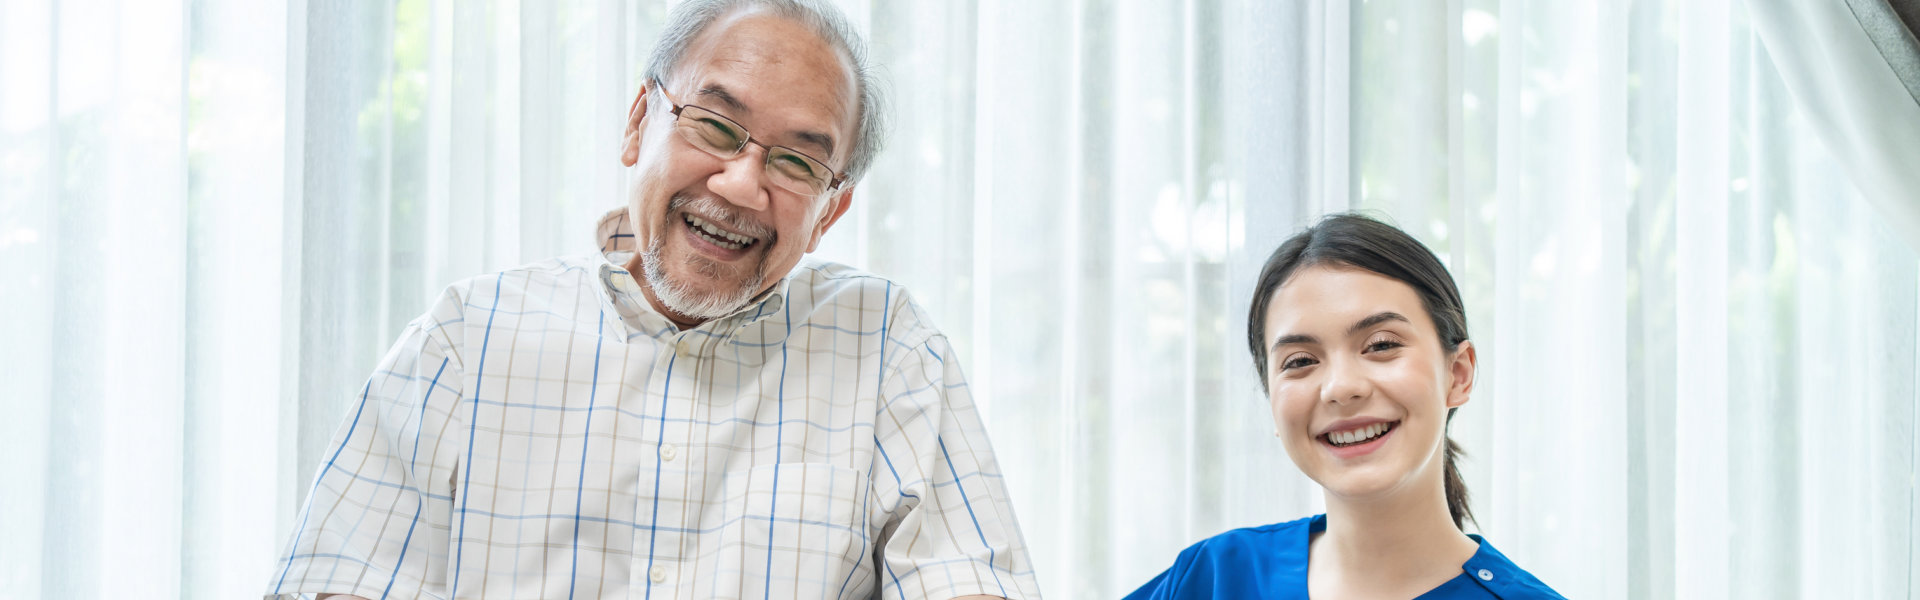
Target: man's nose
[(739, 179)]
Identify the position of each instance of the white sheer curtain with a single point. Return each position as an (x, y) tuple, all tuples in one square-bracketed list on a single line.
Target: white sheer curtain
[(216, 214), (1698, 336), (1843, 60)]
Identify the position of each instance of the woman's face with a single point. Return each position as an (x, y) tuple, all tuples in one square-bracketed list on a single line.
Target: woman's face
[(1360, 383)]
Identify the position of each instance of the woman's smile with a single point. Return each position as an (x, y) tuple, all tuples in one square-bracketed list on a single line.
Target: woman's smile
[(1358, 441)]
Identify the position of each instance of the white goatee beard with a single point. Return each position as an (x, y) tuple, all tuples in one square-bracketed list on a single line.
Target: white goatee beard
[(682, 298)]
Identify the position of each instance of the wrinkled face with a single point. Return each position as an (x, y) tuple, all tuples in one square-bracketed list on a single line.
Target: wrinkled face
[(1359, 382), (712, 232)]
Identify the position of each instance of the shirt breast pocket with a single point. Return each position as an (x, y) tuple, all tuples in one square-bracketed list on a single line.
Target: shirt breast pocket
[(796, 529)]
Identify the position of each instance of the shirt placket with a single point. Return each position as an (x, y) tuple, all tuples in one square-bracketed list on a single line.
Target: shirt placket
[(670, 514)]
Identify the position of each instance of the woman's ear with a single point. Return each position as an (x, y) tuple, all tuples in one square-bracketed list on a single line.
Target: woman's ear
[(1465, 363), (630, 141)]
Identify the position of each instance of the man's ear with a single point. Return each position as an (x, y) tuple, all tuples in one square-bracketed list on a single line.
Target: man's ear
[(838, 205), (630, 143), (1465, 365)]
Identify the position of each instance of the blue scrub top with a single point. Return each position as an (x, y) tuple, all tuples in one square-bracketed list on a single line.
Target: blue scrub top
[(1271, 562)]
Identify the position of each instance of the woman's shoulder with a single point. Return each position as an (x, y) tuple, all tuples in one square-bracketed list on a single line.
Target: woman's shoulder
[(1504, 579), (1263, 537), (1265, 561)]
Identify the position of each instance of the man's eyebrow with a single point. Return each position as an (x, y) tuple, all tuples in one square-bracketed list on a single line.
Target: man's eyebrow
[(1358, 326), (719, 92), (820, 141)]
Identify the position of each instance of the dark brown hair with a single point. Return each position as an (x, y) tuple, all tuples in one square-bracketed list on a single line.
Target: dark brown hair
[(1358, 241)]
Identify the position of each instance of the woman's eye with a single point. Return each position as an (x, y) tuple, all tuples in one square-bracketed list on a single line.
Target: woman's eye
[(1383, 345), (1297, 362)]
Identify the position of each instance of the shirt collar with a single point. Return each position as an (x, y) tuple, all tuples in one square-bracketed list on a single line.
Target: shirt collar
[(1488, 567), (614, 236), (1493, 571)]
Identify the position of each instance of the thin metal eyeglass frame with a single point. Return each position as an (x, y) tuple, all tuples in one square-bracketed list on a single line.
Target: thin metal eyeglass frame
[(675, 109)]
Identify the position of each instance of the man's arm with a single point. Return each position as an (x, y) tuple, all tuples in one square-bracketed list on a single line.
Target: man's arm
[(951, 532), (375, 520)]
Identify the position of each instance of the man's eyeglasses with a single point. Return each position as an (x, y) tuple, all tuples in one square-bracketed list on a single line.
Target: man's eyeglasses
[(720, 136)]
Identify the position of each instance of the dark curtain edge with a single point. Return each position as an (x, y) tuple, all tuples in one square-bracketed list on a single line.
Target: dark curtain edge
[(1890, 25)]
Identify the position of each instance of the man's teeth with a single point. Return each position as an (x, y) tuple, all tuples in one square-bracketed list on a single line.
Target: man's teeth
[(1344, 438), (718, 236)]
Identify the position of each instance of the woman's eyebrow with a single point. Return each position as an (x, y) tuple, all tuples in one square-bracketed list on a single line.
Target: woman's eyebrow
[(1292, 338), (1376, 319), (1359, 326)]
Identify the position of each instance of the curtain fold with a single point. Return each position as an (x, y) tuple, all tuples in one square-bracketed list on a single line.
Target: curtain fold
[(1854, 67), (1889, 24)]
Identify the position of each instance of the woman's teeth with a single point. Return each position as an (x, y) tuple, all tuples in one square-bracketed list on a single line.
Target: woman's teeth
[(1361, 435), (718, 236)]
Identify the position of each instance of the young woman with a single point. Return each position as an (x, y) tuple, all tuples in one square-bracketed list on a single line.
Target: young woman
[(1360, 338)]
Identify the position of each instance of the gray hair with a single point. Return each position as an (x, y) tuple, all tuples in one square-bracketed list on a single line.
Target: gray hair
[(692, 17)]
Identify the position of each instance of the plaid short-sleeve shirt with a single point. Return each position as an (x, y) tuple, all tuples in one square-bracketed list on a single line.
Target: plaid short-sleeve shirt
[(544, 433)]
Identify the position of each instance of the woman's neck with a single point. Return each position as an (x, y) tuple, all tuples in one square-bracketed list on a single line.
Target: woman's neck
[(1402, 545)]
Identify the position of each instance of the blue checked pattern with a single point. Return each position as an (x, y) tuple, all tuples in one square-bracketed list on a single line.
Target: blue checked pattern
[(543, 433)]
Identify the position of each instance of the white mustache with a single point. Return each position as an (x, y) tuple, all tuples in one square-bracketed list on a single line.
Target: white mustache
[(715, 211)]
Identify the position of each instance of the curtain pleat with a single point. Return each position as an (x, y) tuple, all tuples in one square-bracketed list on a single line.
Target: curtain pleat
[(1851, 67)]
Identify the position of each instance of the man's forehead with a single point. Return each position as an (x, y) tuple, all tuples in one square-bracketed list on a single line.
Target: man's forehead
[(760, 66)]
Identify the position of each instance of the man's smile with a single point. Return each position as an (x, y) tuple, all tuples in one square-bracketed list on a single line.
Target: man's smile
[(717, 235)]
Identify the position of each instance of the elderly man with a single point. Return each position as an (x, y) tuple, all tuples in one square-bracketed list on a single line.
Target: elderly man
[(688, 412)]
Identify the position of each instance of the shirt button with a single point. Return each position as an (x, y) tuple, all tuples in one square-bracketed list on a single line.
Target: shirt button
[(668, 452), (686, 346), (659, 575), (1486, 575)]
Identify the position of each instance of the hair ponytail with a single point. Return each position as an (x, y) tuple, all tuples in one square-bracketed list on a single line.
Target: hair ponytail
[(1456, 486)]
